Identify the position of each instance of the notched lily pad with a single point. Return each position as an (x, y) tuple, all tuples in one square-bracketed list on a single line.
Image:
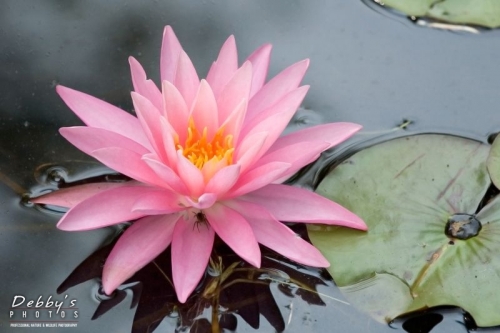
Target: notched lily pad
[(484, 12), (380, 288), (426, 245)]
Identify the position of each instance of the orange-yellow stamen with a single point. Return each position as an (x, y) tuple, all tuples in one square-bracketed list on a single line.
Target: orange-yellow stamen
[(199, 150)]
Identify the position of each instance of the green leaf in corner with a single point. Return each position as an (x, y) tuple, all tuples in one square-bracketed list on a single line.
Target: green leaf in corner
[(480, 12), (411, 7), (483, 12)]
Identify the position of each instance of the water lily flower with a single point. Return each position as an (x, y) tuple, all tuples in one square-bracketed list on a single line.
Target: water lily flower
[(206, 158)]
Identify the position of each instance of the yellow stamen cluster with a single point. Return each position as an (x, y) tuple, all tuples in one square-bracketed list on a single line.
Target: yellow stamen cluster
[(199, 150)]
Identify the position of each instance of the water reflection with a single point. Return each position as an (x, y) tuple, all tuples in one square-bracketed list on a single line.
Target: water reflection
[(230, 291)]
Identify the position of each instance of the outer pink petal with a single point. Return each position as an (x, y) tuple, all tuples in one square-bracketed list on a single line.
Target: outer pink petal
[(175, 109), (165, 173), (149, 116), (260, 65), (286, 81), (170, 51), (298, 155), (235, 91), (158, 202), (276, 236), (186, 79), (224, 67), (128, 163), (204, 110), (71, 196), (190, 175), (223, 180), (191, 249), (142, 85), (139, 245), (88, 139), (235, 231), (333, 133), (96, 113), (275, 119), (257, 178), (288, 203), (103, 209)]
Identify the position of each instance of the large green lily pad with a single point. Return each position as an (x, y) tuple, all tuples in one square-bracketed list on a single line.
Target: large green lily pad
[(480, 12), (406, 190), (494, 162)]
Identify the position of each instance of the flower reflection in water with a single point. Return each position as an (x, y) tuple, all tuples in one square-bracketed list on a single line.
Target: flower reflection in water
[(230, 289)]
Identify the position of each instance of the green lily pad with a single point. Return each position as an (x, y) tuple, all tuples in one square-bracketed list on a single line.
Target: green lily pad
[(482, 12), (411, 7), (408, 191), (494, 162)]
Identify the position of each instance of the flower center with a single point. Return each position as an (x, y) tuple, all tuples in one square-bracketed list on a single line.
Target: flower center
[(199, 150)]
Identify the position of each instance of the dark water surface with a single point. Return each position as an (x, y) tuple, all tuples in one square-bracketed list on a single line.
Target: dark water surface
[(366, 67)]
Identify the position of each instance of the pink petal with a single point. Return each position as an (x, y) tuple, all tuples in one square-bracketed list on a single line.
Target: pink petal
[(138, 246), (224, 67), (211, 167), (190, 175), (233, 124), (204, 110), (170, 51), (275, 119), (276, 236), (235, 91), (333, 133), (223, 180), (96, 113), (158, 202), (168, 134), (250, 147), (128, 163), (88, 139), (260, 65), (186, 79), (149, 117), (142, 85), (166, 174), (257, 178), (288, 203), (175, 109), (206, 200), (191, 248), (71, 196), (235, 231), (283, 83), (103, 209), (298, 155)]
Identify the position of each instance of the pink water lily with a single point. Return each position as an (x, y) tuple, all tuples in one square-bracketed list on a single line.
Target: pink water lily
[(206, 158)]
